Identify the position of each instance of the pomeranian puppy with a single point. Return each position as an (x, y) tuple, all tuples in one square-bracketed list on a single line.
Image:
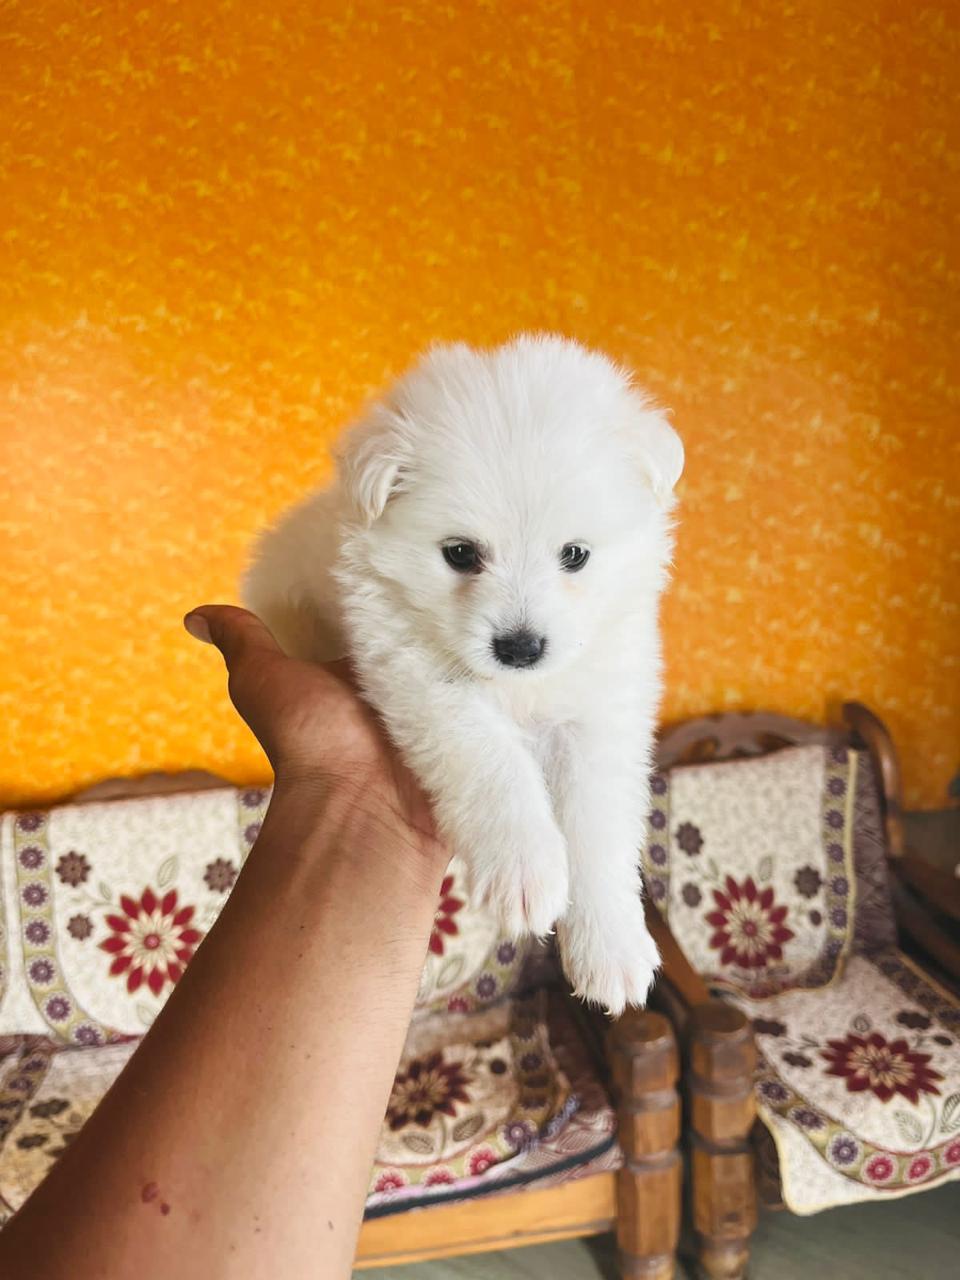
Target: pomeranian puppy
[(491, 558)]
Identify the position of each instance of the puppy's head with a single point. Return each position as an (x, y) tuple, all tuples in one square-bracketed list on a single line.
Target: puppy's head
[(517, 500)]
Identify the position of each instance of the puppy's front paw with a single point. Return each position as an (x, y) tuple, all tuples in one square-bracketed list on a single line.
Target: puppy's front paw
[(523, 879), (611, 960)]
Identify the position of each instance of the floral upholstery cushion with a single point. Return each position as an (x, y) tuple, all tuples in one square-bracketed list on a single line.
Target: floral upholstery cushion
[(859, 1084), (47, 1092), (772, 874), (102, 905), (752, 864), (470, 963), (490, 1101), (481, 1103), (105, 903)]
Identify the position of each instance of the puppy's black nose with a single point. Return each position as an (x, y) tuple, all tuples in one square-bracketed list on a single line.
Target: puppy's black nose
[(519, 648)]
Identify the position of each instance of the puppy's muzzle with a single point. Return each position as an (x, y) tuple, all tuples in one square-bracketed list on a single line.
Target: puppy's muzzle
[(519, 648)]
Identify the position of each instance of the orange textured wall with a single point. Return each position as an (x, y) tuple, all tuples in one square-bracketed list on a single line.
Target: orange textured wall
[(223, 224)]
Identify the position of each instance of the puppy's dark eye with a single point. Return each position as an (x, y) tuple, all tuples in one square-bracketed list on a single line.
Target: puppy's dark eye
[(573, 557), (462, 556)]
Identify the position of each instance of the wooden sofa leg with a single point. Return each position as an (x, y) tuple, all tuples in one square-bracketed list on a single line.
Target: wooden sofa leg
[(643, 1054), (722, 1113)]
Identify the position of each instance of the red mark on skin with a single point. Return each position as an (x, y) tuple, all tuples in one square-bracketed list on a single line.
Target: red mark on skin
[(150, 1193)]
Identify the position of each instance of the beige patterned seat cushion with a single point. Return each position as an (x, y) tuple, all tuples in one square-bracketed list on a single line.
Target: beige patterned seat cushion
[(482, 1102), (859, 1084), (488, 1101), (103, 904)]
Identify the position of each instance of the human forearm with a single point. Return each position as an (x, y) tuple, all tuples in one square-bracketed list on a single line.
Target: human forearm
[(253, 1106)]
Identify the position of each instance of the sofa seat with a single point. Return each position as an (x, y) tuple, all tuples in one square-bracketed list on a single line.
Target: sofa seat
[(481, 1103), (858, 1084), (496, 1087)]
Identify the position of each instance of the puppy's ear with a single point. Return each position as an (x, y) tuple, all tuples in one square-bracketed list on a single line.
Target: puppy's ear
[(655, 446), (373, 460)]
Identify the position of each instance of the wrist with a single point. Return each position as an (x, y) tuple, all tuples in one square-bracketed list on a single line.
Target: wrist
[(350, 822)]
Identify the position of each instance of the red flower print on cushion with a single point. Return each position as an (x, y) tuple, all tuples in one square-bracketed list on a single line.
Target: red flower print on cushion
[(920, 1166), (390, 1181), (152, 941), (749, 929), (952, 1154), (879, 1169), (439, 1178), (427, 1087), (884, 1068), (443, 921), (481, 1160)]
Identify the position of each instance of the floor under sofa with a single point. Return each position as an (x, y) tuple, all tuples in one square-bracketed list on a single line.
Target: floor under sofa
[(857, 1242)]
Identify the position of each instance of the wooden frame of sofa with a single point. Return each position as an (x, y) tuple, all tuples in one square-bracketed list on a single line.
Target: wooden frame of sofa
[(719, 1052)]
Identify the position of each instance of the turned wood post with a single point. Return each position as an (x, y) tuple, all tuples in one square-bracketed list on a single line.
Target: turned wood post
[(643, 1058), (722, 1112)]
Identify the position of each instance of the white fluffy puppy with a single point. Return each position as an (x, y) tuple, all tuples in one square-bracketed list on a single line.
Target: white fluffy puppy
[(491, 558)]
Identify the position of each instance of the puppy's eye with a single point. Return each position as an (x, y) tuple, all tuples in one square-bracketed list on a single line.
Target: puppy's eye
[(573, 557), (462, 556)]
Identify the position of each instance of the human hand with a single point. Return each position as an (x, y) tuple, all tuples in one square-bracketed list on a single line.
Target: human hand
[(317, 732)]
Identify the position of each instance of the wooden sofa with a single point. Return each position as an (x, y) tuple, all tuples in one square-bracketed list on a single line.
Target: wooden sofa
[(733, 1163)]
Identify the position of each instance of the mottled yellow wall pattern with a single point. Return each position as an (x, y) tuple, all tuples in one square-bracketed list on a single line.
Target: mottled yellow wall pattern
[(224, 224)]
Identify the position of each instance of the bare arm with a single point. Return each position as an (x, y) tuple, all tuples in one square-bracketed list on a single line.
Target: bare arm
[(239, 1139)]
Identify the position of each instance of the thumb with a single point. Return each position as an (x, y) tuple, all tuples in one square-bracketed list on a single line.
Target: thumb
[(237, 633)]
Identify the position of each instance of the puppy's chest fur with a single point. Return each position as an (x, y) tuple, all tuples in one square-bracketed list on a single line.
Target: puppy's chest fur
[(541, 710)]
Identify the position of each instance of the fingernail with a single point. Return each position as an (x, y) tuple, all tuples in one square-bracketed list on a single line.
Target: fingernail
[(196, 624)]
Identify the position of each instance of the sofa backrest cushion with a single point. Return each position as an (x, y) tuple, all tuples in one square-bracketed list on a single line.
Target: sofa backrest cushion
[(103, 904), (770, 869)]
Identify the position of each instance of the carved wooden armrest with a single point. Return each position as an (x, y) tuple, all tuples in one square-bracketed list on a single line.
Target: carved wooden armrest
[(642, 1053), (684, 981), (917, 921), (936, 888), (920, 891), (722, 1058), (874, 734)]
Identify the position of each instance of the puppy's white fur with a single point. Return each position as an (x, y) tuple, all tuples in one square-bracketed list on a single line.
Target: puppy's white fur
[(538, 775)]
